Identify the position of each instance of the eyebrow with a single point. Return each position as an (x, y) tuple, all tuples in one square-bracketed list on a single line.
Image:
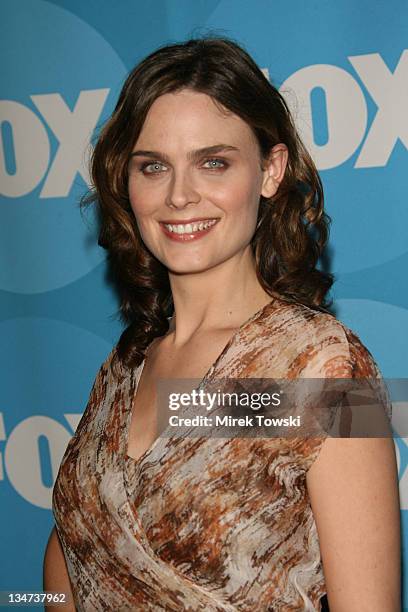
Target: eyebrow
[(191, 155)]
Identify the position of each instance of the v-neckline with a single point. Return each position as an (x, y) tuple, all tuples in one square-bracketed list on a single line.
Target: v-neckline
[(137, 374)]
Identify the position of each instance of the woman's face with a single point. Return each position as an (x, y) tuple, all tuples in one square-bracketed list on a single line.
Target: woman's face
[(193, 164)]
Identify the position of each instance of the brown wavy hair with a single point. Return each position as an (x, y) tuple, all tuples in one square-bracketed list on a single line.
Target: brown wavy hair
[(292, 226)]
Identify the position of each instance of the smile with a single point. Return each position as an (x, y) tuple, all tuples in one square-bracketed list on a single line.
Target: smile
[(188, 231)]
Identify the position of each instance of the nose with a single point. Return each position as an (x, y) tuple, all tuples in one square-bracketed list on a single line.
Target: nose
[(182, 190)]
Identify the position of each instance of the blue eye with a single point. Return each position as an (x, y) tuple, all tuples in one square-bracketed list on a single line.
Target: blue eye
[(147, 164), (218, 161), (215, 164)]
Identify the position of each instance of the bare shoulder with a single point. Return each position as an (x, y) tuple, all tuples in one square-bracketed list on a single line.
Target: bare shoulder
[(353, 490), (352, 482)]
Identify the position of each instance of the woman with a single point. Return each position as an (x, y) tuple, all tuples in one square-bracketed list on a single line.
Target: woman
[(212, 214)]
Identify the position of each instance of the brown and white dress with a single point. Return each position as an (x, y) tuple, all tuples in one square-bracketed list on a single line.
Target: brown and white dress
[(202, 523)]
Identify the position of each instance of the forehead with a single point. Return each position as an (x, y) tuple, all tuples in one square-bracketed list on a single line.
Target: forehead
[(194, 116)]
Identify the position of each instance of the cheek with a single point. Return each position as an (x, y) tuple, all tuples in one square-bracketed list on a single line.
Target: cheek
[(239, 196), (142, 203)]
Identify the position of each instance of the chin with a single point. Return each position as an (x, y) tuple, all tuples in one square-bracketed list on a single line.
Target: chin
[(186, 264), (186, 269)]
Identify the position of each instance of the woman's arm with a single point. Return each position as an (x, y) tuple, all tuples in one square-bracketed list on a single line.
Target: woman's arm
[(55, 573), (353, 489)]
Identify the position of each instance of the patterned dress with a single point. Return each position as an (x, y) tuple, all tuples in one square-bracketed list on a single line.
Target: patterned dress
[(201, 523)]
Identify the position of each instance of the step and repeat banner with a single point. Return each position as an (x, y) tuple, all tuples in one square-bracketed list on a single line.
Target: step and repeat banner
[(343, 68)]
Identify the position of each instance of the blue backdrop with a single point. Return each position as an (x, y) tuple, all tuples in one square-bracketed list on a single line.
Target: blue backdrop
[(343, 68)]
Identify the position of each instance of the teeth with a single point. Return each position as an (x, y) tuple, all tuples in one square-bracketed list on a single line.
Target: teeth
[(190, 227)]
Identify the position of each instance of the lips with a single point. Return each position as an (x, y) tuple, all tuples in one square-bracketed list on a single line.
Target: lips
[(185, 221), (174, 233)]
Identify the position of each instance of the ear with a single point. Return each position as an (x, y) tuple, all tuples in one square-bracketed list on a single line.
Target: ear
[(274, 170)]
